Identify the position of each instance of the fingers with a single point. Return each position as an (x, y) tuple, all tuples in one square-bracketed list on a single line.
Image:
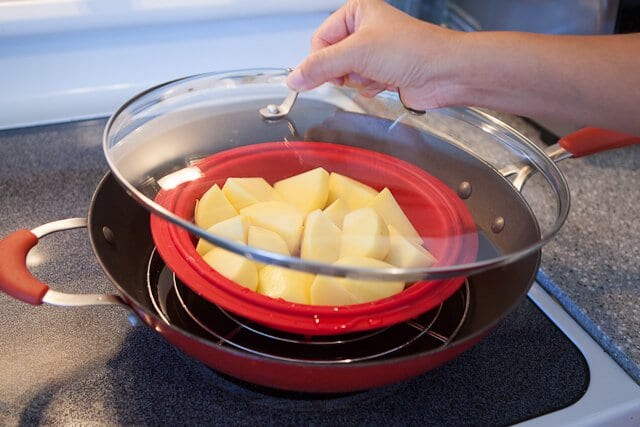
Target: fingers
[(365, 86), (372, 90), (332, 30), (331, 62)]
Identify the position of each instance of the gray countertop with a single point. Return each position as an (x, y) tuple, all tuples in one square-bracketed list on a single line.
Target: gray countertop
[(591, 267)]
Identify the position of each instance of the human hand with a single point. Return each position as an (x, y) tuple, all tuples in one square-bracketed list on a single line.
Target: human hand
[(371, 46)]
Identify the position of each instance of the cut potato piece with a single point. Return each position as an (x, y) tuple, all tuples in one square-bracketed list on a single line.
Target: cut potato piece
[(404, 253), (335, 291), (307, 191), (231, 229), (364, 234), (234, 267), (336, 212), (235, 228), (319, 216), (280, 282), (366, 290), (355, 194), (279, 217), (267, 240), (388, 208), (243, 192), (329, 290), (212, 208), (321, 239)]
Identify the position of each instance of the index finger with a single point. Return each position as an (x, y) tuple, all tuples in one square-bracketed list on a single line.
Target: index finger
[(335, 28)]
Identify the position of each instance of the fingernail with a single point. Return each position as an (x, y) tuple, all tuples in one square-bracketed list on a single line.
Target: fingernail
[(295, 80)]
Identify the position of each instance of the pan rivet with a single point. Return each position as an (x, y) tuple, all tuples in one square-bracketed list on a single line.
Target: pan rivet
[(464, 190), (108, 235), (497, 225)]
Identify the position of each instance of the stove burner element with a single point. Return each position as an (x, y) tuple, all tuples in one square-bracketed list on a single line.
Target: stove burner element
[(176, 304)]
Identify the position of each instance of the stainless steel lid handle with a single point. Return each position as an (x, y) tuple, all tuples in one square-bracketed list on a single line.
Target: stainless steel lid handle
[(409, 109), (274, 112)]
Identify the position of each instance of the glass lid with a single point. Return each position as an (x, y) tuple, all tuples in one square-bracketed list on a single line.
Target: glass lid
[(341, 185)]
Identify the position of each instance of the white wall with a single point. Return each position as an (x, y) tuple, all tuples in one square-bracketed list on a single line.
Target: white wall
[(82, 59)]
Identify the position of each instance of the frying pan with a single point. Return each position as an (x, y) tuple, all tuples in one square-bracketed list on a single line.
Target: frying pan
[(119, 232)]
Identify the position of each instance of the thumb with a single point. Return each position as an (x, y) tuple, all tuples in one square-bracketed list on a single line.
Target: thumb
[(326, 64)]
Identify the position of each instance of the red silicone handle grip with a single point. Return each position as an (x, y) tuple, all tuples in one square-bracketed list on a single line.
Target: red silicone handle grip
[(15, 278), (594, 140)]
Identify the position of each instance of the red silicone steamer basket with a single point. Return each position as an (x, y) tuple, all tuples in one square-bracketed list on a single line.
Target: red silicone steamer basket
[(435, 211)]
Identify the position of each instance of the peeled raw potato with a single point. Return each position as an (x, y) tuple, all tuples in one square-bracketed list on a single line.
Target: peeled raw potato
[(327, 290), (212, 208), (388, 208), (234, 267), (364, 234), (336, 212), (320, 238), (231, 229), (355, 194), (279, 217), (290, 285), (243, 192), (268, 240), (364, 290), (406, 254), (307, 191), (322, 217)]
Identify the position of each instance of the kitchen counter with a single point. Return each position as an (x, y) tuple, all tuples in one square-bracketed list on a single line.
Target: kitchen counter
[(90, 365), (592, 266)]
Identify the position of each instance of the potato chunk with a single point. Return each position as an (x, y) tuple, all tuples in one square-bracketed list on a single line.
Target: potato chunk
[(279, 217), (319, 216), (243, 192), (267, 240), (307, 191), (320, 238), (280, 282), (212, 208), (365, 290), (234, 267), (327, 290), (406, 254), (388, 208), (231, 229), (336, 212), (364, 234), (354, 193)]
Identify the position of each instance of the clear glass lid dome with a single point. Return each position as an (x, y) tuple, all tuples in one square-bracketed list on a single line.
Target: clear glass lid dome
[(338, 177)]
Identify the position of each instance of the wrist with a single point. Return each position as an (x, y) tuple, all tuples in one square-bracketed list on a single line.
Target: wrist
[(445, 62)]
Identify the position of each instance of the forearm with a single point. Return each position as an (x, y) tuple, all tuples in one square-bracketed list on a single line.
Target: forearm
[(588, 80)]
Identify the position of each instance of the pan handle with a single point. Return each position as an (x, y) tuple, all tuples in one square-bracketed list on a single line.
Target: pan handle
[(17, 281), (580, 143), (590, 140)]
